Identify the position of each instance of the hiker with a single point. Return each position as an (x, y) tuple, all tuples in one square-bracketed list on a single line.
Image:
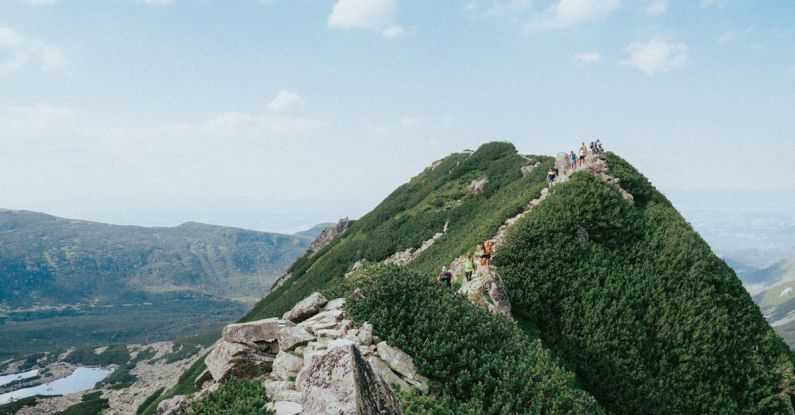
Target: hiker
[(487, 252), (583, 153), (446, 276), (599, 148), (573, 158), (469, 267), (479, 254), (551, 174), (592, 146)]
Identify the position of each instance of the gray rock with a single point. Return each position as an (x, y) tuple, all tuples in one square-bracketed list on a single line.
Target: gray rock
[(328, 235), (274, 387), (365, 335), (292, 337), (322, 320), (397, 359), (306, 308), (476, 186), (341, 382), (239, 360), (286, 365), (381, 369), (335, 304), (488, 290), (179, 404), (258, 334), (203, 378), (285, 408)]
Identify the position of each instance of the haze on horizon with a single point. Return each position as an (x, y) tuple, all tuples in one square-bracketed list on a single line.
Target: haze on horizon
[(276, 115)]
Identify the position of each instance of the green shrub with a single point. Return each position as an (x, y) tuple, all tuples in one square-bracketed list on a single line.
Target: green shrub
[(477, 362), (635, 301), (149, 400), (91, 404), (14, 407), (234, 397)]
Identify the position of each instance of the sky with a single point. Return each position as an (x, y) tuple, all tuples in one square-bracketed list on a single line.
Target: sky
[(279, 114)]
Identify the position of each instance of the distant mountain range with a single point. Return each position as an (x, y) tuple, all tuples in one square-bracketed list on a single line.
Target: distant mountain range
[(61, 273)]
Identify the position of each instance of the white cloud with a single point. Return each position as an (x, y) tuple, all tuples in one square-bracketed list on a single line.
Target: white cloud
[(658, 55), (17, 51), (567, 13), (393, 31), (39, 2), (588, 58), (285, 99), (656, 7), (375, 15)]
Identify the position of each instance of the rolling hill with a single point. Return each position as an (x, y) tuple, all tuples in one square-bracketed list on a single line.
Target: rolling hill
[(69, 282)]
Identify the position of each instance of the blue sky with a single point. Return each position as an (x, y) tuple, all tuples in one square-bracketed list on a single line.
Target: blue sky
[(276, 114)]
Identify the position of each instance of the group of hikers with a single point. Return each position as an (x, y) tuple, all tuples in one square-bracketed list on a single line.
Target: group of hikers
[(576, 159), (484, 253)]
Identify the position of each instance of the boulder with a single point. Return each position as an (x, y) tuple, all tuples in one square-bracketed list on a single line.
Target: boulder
[(488, 290), (306, 308), (292, 337), (203, 378), (365, 335), (179, 404), (286, 365), (239, 360), (285, 408), (397, 359), (381, 369), (341, 382), (335, 304), (476, 186), (257, 334), (324, 320), (278, 390)]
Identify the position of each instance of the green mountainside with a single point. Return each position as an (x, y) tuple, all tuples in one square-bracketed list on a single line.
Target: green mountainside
[(70, 283), (619, 306)]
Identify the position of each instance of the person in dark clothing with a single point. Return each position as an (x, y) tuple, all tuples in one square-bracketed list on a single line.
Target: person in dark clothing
[(551, 174), (446, 277)]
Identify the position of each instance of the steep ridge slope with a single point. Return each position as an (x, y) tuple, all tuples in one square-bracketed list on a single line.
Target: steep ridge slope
[(635, 301), (414, 213), (634, 312)]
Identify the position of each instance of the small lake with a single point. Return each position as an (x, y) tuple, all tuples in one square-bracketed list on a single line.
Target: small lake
[(24, 375), (83, 378)]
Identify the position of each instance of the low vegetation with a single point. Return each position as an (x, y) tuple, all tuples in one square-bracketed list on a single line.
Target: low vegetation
[(234, 397), (490, 367), (91, 404), (634, 300)]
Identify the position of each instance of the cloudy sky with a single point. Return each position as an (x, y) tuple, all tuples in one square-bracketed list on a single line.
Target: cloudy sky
[(276, 114)]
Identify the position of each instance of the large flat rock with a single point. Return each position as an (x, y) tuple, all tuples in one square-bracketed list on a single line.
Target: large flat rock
[(341, 382)]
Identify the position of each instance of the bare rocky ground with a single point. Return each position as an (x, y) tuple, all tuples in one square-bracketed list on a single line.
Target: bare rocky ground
[(151, 374)]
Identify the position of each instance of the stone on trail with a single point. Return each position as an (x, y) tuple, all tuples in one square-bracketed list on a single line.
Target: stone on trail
[(285, 408), (257, 334), (381, 368), (397, 359), (235, 359), (286, 365), (341, 382), (292, 337), (306, 308)]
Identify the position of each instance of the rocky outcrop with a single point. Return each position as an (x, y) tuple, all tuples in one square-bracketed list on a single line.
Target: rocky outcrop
[(239, 360), (488, 290), (177, 405), (341, 381), (409, 255), (306, 307), (476, 187), (529, 168), (328, 235), (318, 363)]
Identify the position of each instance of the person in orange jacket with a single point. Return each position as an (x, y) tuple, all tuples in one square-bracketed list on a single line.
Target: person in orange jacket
[(487, 250)]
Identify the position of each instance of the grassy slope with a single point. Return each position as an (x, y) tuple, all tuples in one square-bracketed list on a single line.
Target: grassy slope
[(414, 213), (648, 317)]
